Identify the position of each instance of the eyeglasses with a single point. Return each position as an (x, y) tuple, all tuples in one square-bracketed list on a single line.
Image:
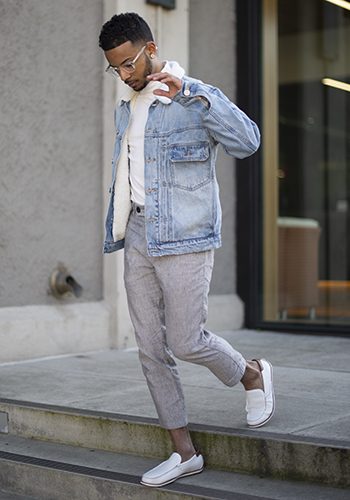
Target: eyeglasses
[(127, 67)]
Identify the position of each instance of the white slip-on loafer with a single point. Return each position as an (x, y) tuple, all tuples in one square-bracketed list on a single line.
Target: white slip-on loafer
[(172, 469), (260, 404)]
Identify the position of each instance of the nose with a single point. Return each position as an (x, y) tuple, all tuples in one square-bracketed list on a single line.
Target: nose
[(123, 74)]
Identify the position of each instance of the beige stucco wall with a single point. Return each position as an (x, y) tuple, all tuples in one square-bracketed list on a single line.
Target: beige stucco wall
[(51, 176), (50, 147), (212, 59), (212, 53), (56, 143)]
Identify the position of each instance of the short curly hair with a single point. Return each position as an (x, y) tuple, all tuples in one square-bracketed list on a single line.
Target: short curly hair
[(122, 28)]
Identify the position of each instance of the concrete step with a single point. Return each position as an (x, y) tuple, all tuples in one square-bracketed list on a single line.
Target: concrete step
[(245, 451), (5, 495), (52, 471)]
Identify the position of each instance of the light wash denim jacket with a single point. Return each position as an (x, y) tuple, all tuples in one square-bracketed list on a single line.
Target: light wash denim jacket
[(182, 207)]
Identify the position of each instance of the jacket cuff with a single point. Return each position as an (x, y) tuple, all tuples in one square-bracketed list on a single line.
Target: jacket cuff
[(188, 95)]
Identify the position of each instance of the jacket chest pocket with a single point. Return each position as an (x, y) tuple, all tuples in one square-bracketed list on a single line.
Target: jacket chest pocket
[(190, 165)]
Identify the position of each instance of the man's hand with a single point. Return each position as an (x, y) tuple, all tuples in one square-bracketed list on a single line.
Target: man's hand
[(174, 84)]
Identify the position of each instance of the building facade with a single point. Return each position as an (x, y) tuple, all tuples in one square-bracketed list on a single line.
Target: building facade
[(284, 263), (56, 143)]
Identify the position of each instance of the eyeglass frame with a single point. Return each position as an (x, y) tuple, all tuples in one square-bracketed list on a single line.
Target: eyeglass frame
[(115, 70)]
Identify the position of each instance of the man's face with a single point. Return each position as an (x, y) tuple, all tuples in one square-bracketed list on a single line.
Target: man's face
[(126, 53)]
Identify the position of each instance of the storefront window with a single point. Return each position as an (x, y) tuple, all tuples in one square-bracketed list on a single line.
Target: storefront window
[(306, 161)]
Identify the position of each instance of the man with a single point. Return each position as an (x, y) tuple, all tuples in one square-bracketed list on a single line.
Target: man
[(165, 212)]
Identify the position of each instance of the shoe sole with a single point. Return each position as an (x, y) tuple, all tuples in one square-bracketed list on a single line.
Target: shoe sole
[(198, 471), (255, 426), (260, 424)]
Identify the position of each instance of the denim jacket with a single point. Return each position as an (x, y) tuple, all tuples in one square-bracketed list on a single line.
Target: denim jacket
[(182, 206)]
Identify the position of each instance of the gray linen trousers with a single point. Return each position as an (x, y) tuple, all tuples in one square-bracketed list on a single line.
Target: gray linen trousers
[(168, 303)]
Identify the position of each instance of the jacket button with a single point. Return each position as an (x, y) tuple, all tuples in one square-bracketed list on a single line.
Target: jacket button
[(187, 92)]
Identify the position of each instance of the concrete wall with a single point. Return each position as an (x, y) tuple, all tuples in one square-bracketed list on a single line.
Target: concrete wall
[(50, 147), (212, 59), (171, 32), (189, 35), (51, 175), (56, 143), (212, 52)]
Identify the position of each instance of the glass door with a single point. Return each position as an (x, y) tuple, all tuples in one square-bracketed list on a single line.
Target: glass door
[(306, 161)]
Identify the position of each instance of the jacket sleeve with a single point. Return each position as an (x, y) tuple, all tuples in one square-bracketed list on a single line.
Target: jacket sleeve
[(227, 124)]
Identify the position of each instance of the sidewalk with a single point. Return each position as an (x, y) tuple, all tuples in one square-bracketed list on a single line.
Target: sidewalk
[(311, 374)]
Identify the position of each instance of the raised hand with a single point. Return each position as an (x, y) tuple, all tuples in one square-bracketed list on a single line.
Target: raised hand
[(173, 82)]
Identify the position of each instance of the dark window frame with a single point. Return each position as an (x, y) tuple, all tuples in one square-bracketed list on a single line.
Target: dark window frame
[(167, 4), (248, 182)]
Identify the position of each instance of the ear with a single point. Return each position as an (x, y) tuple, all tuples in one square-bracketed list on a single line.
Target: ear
[(151, 50)]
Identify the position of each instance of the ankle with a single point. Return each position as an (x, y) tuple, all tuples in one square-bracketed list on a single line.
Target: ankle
[(252, 378), (182, 443), (186, 453)]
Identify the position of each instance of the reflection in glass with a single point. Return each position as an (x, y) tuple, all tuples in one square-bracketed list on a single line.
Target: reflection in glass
[(314, 162)]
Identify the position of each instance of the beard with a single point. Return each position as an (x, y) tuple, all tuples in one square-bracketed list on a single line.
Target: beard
[(148, 71)]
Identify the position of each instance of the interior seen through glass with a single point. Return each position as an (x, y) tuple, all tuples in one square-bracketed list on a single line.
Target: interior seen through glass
[(313, 161)]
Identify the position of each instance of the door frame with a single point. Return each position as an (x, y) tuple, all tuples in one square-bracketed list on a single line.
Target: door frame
[(249, 182)]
